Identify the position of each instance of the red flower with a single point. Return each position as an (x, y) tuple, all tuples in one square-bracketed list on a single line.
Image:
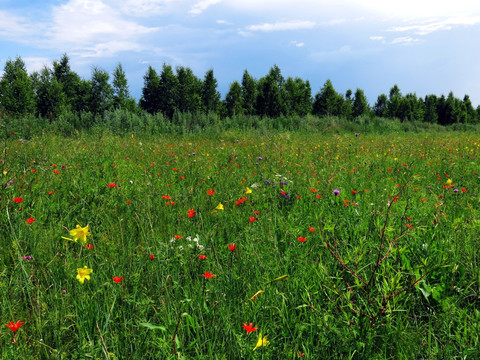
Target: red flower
[(50, 193), (15, 327), (89, 246), (166, 197), (241, 200), (30, 220), (313, 190), (177, 236), (33, 171), (18, 200), (211, 192), (112, 185), (202, 257), (56, 171), (128, 202), (117, 279), (301, 239), (152, 256), (464, 190), (252, 219), (208, 275), (191, 213), (311, 229), (354, 192), (409, 226), (249, 328), (232, 247)]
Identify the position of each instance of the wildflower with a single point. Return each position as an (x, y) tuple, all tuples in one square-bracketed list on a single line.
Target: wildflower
[(301, 239), (354, 192), (336, 192), (83, 273), (16, 326), (202, 257), (254, 297), (152, 256), (311, 229), (30, 220), (219, 207), (464, 190), (89, 246), (18, 200), (232, 247), (191, 213), (27, 258), (50, 192), (211, 192), (313, 190), (241, 200), (112, 185), (455, 190), (56, 171), (409, 226), (128, 202), (166, 197), (249, 328), (252, 219), (248, 191), (80, 233), (177, 236), (261, 341), (357, 134), (208, 275), (449, 181), (117, 279)]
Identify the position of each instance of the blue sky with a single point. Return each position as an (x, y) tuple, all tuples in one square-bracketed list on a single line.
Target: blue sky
[(423, 46)]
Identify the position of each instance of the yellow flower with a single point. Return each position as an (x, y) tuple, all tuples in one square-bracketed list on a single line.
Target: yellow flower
[(449, 181), (219, 207), (83, 273), (80, 233), (261, 341), (254, 297), (248, 191)]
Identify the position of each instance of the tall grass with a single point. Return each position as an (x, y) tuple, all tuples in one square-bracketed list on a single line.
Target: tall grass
[(388, 268)]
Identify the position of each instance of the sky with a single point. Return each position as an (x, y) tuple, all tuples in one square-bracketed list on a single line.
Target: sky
[(423, 46)]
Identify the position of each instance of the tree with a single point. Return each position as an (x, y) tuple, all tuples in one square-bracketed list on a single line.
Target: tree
[(298, 97), (233, 100), (393, 104), (248, 93), (101, 91), (210, 95), (430, 109), (328, 102), (270, 99), (150, 98), (360, 105), (167, 91), (50, 99), (189, 91), (121, 94), (17, 97), (380, 108), (470, 113), (71, 84)]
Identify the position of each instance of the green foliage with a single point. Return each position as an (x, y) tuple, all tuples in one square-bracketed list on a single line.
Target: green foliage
[(16, 89), (388, 269)]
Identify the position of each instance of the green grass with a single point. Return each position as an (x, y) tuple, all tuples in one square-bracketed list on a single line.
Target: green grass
[(389, 272)]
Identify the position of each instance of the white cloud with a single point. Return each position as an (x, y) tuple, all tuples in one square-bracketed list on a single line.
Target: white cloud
[(224, 22), (407, 40), (36, 63), (16, 28), (430, 26), (146, 8), (94, 26), (297, 44), (201, 6), (280, 26), (376, 38)]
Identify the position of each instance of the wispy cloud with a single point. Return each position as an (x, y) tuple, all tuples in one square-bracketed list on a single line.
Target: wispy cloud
[(95, 27), (297, 44), (281, 26), (147, 8), (17, 28), (431, 26), (407, 40), (203, 5)]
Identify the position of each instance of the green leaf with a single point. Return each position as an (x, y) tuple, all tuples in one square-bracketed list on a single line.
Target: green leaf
[(153, 327)]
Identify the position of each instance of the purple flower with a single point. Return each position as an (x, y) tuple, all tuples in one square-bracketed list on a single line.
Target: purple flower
[(260, 158), (266, 182), (336, 192), (357, 134), (455, 190)]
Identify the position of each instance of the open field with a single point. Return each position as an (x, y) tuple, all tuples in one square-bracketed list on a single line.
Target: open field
[(333, 247)]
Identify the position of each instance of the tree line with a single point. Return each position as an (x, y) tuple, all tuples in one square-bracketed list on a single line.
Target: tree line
[(56, 90)]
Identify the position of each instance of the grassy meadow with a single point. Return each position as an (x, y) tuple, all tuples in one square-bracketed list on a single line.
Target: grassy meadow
[(240, 246)]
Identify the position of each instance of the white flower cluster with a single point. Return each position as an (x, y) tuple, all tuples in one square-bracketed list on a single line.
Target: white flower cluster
[(191, 243)]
